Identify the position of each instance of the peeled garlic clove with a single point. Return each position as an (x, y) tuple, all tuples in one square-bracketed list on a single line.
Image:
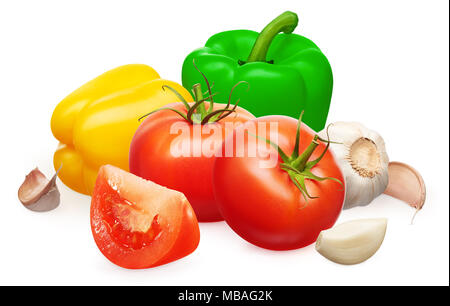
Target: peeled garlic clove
[(352, 242), (406, 184), (37, 193), (361, 155)]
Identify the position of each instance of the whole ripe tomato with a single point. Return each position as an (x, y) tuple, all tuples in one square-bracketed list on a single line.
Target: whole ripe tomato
[(138, 224), (175, 147), (284, 204)]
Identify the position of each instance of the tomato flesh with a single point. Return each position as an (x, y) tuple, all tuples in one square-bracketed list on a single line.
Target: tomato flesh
[(130, 226), (139, 224)]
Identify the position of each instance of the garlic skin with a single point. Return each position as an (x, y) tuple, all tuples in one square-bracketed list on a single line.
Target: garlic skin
[(37, 193), (407, 185), (361, 155)]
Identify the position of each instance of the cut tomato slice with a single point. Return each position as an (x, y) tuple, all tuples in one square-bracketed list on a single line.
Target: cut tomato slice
[(138, 224)]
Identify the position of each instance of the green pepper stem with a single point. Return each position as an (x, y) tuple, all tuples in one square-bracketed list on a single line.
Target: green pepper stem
[(286, 23)]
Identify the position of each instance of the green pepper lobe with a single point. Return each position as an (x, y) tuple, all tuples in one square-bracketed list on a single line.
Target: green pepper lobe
[(287, 72)]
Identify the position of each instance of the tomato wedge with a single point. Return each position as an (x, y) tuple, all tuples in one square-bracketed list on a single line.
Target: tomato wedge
[(138, 224)]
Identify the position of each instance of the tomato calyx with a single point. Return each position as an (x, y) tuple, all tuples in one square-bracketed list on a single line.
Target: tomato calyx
[(197, 113), (298, 165)]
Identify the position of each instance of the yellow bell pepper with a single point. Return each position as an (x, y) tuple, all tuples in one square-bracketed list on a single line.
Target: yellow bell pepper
[(96, 122)]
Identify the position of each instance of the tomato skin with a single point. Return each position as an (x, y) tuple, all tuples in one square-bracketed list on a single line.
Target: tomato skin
[(263, 205), (152, 155), (178, 232)]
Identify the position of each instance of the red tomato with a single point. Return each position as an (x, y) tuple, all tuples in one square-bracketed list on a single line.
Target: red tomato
[(263, 205), (174, 153), (138, 224)]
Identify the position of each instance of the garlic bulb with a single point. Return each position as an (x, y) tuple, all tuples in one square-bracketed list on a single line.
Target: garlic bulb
[(361, 154)]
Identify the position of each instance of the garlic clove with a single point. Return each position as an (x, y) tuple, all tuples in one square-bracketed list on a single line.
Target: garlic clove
[(39, 194), (406, 184), (352, 242)]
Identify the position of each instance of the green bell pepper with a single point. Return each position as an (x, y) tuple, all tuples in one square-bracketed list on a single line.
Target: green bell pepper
[(286, 73)]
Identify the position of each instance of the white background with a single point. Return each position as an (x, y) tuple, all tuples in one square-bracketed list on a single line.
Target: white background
[(390, 65)]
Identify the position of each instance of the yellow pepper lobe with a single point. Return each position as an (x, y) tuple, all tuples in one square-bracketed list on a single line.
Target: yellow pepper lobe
[(110, 82), (96, 123), (71, 174)]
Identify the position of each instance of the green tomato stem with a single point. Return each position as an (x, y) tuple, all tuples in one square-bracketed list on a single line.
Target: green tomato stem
[(197, 113), (198, 95), (300, 162), (299, 167), (285, 23)]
